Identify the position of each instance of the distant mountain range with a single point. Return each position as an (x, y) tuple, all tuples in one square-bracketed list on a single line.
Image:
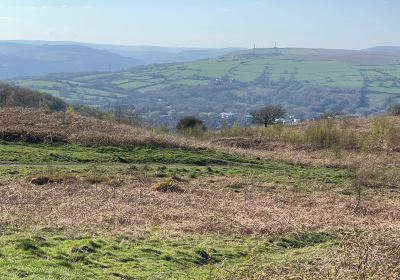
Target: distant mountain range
[(385, 49), (37, 58)]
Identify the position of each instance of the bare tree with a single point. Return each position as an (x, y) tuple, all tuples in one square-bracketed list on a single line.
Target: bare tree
[(268, 115)]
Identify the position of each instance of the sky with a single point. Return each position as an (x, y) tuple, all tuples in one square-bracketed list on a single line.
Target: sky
[(346, 24)]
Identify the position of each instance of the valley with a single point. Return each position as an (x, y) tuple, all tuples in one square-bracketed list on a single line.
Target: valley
[(305, 81)]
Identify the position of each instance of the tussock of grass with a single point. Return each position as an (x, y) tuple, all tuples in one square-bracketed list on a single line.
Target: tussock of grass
[(168, 186)]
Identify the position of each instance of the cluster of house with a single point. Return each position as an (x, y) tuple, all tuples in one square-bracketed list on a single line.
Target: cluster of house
[(223, 81), (247, 118)]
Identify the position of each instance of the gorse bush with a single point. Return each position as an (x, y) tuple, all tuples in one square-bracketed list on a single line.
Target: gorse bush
[(191, 126)]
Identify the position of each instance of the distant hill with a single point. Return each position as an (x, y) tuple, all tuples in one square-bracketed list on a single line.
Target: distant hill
[(385, 49), (305, 81), (168, 56), (142, 54), (18, 59)]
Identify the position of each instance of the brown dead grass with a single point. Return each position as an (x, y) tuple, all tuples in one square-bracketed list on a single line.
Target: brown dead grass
[(74, 128), (271, 144), (371, 255), (62, 127), (325, 157), (206, 207)]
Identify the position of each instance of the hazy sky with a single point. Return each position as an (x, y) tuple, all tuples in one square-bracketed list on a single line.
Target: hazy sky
[(206, 23)]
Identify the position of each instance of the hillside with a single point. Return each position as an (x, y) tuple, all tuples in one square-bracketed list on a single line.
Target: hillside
[(18, 59), (133, 55), (99, 200), (63, 127), (305, 81), (392, 50)]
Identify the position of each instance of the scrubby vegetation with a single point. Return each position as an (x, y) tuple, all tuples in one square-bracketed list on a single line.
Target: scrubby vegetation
[(12, 96), (375, 133)]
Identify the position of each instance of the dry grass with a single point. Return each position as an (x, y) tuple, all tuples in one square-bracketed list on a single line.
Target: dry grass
[(206, 207), (74, 128), (373, 255), (62, 127), (219, 205), (347, 142)]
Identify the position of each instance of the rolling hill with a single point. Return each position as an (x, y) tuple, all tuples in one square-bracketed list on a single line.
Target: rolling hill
[(141, 54), (304, 81), (385, 49), (18, 60)]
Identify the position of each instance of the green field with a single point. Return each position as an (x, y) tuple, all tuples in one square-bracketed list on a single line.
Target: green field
[(54, 254)]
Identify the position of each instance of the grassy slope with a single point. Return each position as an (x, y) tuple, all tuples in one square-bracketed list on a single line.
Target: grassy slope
[(344, 69), (187, 162), (52, 254), (296, 199)]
